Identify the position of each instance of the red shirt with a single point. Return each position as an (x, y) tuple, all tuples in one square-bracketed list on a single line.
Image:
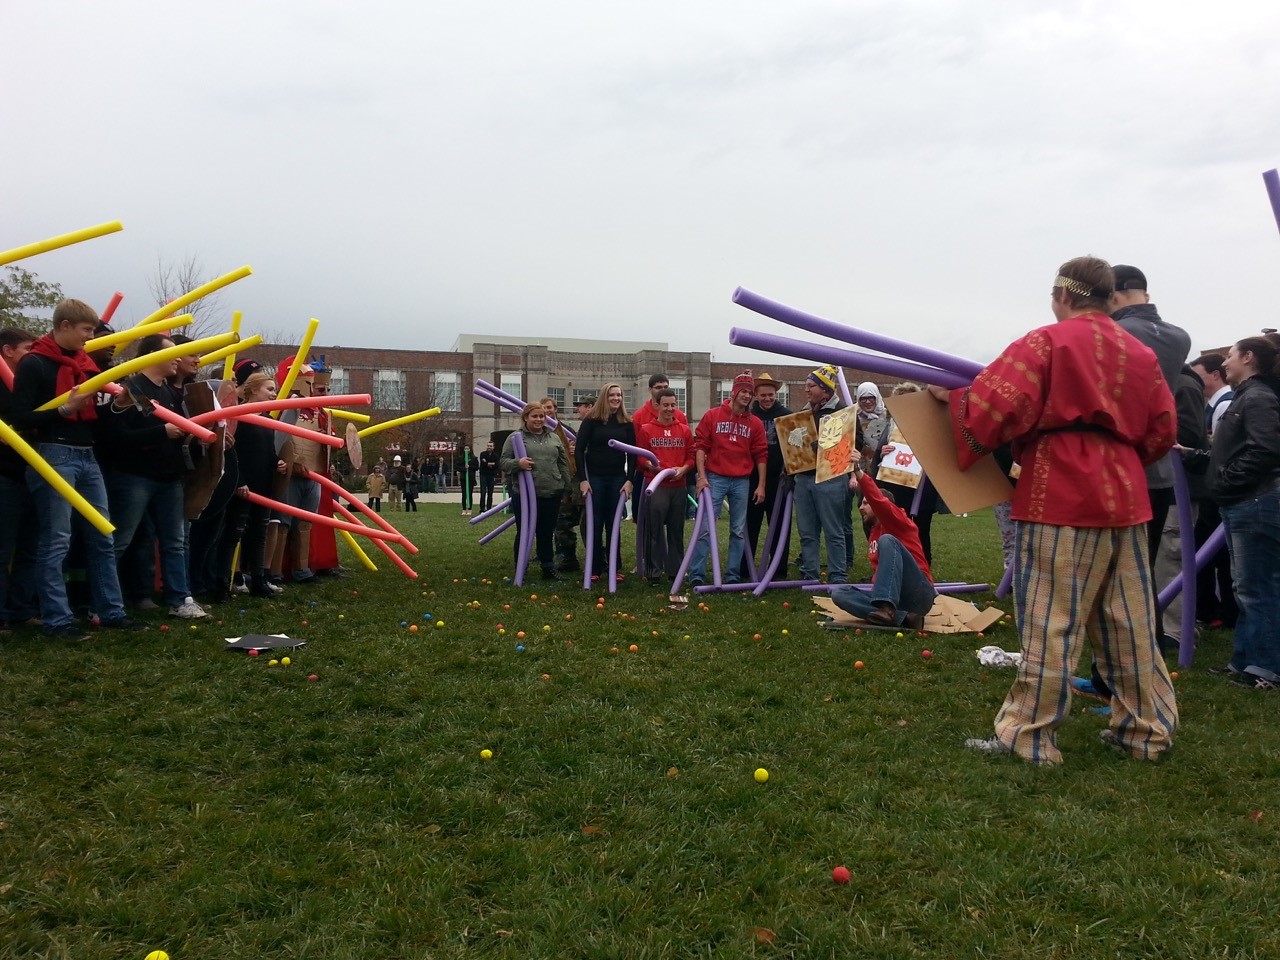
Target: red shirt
[(672, 445), (733, 443), (892, 519), (1086, 407)]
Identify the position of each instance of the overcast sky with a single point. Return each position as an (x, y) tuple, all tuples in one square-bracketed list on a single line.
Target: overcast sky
[(408, 172)]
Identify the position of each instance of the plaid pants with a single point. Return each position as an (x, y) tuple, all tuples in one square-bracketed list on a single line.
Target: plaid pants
[(1076, 582)]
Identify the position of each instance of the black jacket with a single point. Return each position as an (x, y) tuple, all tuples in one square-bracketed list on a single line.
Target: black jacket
[(1246, 446), (593, 455)]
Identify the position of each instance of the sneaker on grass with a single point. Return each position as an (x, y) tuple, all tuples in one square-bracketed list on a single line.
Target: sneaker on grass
[(188, 610), (991, 745)]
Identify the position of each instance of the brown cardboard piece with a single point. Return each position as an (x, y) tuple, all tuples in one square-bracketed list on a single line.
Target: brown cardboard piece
[(948, 615), (799, 456), (926, 423)]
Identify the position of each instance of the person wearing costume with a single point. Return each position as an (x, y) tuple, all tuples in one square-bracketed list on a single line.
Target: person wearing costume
[(822, 509), (1086, 407)]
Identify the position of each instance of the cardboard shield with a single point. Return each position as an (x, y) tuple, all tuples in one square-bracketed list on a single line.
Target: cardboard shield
[(798, 441), (198, 398), (355, 452), (837, 453)]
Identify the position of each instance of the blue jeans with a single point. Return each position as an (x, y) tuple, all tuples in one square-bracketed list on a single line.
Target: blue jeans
[(822, 509), (1253, 535), (737, 491), (898, 580), (77, 466), (605, 493), (19, 537), (133, 496)]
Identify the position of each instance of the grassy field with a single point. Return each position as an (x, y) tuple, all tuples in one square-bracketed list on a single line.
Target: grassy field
[(161, 793)]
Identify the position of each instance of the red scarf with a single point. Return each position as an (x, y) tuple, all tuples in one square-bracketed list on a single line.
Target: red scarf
[(73, 370)]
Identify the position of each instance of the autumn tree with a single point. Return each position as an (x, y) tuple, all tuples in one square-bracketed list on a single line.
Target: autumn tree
[(175, 278)]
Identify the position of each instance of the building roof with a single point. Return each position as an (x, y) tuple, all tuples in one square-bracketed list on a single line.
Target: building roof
[(466, 342)]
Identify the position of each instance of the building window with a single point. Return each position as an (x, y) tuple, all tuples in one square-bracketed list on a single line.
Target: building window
[(784, 391), (389, 389), (557, 394), (448, 391), (513, 384), (626, 401), (724, 391), (339, 381)]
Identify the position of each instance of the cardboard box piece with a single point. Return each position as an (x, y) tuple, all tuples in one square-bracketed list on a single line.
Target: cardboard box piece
[(948, 615)]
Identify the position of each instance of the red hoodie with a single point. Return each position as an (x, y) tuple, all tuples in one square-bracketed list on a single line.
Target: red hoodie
[(733, 445), (891, 518), (672, 445)]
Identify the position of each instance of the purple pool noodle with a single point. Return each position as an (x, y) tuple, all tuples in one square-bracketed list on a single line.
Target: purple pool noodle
[(1208, 550), (823, 353), (915, 501), (528, 510), (1006, 582), (845, 395), (589, 522), (658, 480), (713, 538), (504, 525), (491, 511), (755, 588), (615, 544), (776, 560), (1272, 180), (773, 536), (968, 369), (1186, 531), (514, 403), (634, 451), (688, 551), (642, 536)]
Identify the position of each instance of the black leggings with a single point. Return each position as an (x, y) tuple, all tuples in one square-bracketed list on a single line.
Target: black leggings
[(544, 530)]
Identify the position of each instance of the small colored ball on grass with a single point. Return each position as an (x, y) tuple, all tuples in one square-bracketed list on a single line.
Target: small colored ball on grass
[(486, 754), (786, 604), (756, 636), (599, 606), (253, 653), (439, 624), (274, 663), (286, 661), (840, 875), (899, 634), (342, 616), (761, 775), (926, 654), (164, 627), (568, 616), (546, 628), (686, 636), (157, 955), (414, 628), (546, 676), (304, 623), (785, 633), (858, 665), (519, 648), (633, 648), (520, 635), (568, 643), (506, 606), (1173, 675), (312, 678), (501, 632), (533, 596), (404, 623), (194, 627), (613, 649), (654, 632)]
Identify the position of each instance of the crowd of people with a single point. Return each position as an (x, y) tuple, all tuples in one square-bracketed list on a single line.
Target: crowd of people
[(184, 504), (1080, 413)]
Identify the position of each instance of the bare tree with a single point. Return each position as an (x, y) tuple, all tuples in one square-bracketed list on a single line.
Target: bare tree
[(175, 278)]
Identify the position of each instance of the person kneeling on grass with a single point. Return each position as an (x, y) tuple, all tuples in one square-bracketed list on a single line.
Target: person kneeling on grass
[(901, 584)]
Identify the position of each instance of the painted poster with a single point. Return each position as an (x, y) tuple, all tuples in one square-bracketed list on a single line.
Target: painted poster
[(837, 453)]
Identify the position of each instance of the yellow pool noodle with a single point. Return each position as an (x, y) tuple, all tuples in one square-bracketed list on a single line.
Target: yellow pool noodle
[(54, 479), (348, 415), (201, 291), (229, 367), (137, 332), (229, 353), (379, 427), (299, 361), (359, 551), (65, 240), (141, 363)]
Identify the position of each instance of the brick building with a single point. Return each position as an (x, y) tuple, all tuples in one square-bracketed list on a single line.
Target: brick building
[(404, 381)]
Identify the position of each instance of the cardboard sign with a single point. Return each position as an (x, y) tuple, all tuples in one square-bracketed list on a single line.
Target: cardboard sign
[(796, 438), (926, 424), (837, 454), (898, 462), (198, 488)]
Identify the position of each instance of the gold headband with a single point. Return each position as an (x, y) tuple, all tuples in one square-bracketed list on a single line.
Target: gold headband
[(1075, 286)]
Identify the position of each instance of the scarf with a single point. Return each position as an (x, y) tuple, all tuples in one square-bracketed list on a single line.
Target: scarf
[(73, 370)]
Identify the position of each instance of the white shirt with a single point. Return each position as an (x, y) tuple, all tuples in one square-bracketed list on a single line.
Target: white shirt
[(1219, 410)]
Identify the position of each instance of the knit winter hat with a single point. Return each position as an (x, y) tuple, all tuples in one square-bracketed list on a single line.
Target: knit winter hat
[(825, 376)]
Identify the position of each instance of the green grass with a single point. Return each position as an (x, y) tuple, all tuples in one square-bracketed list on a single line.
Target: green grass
[(158, 792)]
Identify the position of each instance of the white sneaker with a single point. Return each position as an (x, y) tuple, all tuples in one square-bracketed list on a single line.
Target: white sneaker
[(240, 587), (991, 745), (274, 587), (188, 610)]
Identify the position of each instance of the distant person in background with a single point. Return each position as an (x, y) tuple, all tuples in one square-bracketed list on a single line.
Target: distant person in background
[(395, 483), (375, 487), (488, 476), (412, 479)]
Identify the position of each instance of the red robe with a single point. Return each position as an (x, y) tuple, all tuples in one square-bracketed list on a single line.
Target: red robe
[(1086, 407)]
